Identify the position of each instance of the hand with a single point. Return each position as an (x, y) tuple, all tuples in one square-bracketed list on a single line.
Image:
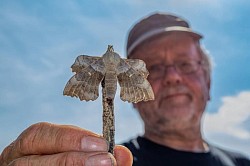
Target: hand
[(46, 144)]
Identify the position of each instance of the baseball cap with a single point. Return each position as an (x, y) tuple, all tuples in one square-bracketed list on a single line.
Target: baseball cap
[(156, 24)]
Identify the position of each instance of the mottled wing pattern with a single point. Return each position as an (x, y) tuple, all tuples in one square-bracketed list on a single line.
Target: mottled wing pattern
[(85, 83), (83, 61), (138, 65), (132, 77)]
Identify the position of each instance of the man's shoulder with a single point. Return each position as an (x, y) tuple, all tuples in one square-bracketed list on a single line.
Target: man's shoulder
[(229, 156)]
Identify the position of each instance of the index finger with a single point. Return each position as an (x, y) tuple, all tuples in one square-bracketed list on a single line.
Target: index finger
[(46, 138)]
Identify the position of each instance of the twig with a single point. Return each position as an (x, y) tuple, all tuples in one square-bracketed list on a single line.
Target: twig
[(108, 119)]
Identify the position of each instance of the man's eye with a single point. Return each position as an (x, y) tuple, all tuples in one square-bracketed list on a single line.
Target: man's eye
[(185, 64), (155, 68)]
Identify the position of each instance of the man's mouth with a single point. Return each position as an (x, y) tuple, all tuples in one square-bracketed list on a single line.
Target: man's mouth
[(175, 96)]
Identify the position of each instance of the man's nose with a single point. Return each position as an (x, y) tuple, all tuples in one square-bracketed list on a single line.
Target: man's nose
[(171, 76)]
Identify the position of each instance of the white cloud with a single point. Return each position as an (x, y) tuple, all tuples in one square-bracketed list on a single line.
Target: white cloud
[(229, 126), (231, 116)]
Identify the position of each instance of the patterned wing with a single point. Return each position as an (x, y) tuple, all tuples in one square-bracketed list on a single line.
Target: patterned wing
[(137, 64), (85, 83), (132, 77), (83, 61)]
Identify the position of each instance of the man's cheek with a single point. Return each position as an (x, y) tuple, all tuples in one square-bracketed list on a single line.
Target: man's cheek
[(156, 88), (146, 106)]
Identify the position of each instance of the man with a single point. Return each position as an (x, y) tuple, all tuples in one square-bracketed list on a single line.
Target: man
[(180, 77)]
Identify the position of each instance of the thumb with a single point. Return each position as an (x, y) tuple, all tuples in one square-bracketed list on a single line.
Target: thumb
[(123, 156)]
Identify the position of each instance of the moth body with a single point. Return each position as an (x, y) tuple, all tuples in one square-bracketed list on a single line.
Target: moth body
[(110, 84)]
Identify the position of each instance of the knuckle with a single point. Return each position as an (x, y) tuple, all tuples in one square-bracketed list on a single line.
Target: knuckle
[(37, 127), (25, 142), (23, 145), (6, 154)]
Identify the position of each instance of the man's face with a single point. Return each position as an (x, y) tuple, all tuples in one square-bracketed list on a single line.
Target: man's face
[(180, 99)]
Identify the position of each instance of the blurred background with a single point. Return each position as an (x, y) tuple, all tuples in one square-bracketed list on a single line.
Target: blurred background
[(39, 41)]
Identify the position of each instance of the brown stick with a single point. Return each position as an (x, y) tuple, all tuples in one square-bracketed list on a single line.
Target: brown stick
[(108, 119)]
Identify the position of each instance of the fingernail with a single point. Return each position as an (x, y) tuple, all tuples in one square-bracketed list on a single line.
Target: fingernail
[(90, 143), (99, 160)]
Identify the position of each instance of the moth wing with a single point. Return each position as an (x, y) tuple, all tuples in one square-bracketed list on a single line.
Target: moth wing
[(83, 61), (138, 65), (132, 78), (85, 83)]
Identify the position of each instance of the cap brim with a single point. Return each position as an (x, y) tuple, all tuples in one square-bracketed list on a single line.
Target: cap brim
[(159, 31)]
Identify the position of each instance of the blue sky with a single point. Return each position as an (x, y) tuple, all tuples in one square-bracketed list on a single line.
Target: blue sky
[(39, 41)]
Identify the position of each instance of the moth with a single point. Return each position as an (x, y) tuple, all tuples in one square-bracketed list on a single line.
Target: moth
[(131, 74)]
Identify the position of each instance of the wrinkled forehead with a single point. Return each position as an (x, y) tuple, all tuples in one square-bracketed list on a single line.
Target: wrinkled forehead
[(179, 44)]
